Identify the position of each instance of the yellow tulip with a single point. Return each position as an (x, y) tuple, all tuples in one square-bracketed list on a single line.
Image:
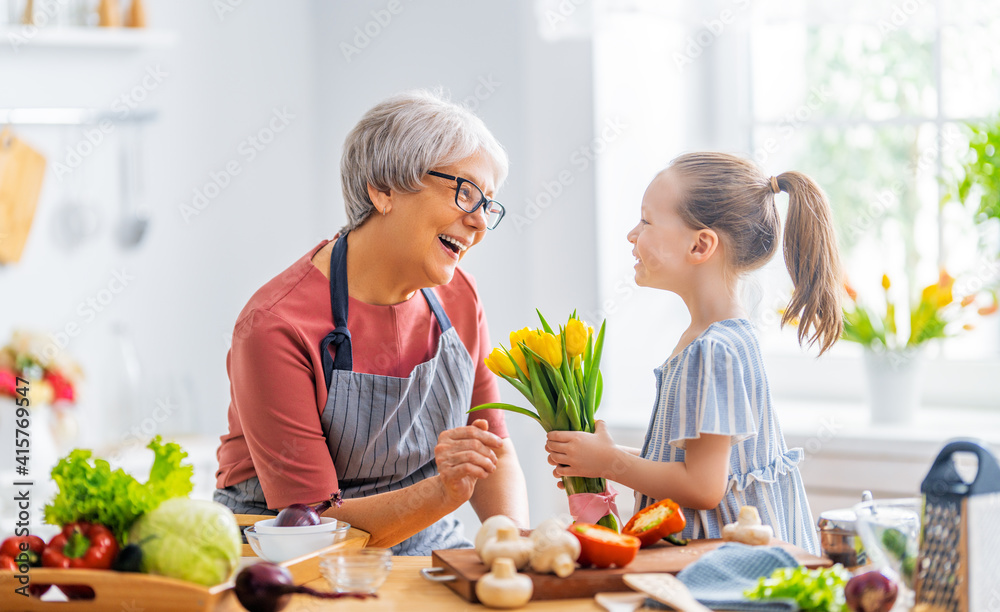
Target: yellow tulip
[(499, 363), (576, 337), (518, 336), (553, 349), (547, 346), (520, 360)]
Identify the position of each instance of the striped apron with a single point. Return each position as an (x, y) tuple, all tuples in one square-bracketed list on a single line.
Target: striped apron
[(382, 430)]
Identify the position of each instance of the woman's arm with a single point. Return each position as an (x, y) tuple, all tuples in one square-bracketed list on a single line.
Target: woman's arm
[(465, 456), (504, 491), (698, 482)]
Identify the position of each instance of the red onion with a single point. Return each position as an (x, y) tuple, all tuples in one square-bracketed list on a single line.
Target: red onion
[(871, 591), (268, 587), (298, 515)]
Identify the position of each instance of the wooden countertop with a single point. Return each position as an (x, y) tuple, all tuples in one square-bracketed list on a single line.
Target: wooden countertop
[(407, 590)]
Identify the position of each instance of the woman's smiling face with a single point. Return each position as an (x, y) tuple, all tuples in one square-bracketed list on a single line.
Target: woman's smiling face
[(432, 231), (661, 239)]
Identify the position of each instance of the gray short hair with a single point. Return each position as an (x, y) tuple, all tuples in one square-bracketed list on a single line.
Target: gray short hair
[(396, 142)]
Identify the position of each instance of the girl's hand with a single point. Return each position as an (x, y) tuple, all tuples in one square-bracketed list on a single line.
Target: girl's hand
[(578, 453)]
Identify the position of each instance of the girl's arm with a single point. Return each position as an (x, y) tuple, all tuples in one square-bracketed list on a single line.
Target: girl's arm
[(699, 482)]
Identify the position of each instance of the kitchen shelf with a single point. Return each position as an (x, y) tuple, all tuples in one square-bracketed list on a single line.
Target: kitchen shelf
[(85, 38)]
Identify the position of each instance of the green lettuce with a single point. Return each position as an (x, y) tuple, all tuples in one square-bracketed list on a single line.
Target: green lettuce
[(821, 590), (93, 492)]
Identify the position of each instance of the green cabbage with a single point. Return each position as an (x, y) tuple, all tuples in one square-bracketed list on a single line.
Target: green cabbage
[(194, 540)]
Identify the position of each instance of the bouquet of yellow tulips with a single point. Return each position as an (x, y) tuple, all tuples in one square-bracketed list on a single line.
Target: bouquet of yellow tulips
[(559, 374)]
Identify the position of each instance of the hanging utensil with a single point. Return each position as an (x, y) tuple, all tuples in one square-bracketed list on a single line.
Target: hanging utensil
[(134, 216), (76, 220)]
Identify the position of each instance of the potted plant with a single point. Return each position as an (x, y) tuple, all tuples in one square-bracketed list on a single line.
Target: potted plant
[(978, 175), (894, 352)]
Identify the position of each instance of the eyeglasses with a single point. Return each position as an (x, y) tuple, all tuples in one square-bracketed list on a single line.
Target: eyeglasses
[(469, 197)]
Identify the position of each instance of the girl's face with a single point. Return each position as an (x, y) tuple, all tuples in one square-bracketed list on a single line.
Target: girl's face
[(661, 240)]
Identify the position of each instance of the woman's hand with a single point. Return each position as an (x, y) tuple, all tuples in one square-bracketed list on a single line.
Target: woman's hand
[(578, 453), (465, 455)]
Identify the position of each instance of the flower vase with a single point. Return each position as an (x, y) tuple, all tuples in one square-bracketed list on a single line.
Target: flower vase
[(893, 379), (596, 486)]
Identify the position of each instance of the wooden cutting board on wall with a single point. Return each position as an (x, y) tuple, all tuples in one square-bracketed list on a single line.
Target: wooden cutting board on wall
[(21, 172), (465, 566)]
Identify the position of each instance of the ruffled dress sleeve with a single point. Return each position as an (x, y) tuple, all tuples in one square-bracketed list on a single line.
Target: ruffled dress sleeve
[(712, 395)]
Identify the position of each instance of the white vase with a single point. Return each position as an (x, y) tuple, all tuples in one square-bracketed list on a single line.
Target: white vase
[(894, 379)]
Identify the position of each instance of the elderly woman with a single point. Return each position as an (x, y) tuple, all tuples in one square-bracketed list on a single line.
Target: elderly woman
[(354, 368)]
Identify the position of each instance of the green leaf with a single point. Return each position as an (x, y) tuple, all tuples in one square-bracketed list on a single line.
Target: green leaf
[(92, 492), (508, 408), (590, 402), (813, 590), (541, 401), (545, 324)]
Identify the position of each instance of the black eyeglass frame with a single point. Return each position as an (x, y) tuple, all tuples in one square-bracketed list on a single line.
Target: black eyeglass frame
[(459, 180)]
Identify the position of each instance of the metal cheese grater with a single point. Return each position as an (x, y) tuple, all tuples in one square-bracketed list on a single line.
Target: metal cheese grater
[(959, 567)]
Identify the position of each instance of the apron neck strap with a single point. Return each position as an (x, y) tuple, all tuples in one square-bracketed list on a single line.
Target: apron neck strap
[(340, 337)]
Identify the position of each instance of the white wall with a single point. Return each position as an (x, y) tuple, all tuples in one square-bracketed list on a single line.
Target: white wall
[(225, 76), (536, 98), (222, 81)]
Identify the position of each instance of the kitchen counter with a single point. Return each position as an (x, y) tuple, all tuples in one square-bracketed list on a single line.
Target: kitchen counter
[(407, 590)]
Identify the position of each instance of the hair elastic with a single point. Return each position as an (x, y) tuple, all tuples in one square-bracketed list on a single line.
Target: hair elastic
[(774, 185)]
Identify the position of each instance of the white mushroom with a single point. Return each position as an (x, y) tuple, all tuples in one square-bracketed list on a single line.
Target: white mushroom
[(507, 543), (489, 530), (748, 528), (503, 587), (555, 550)]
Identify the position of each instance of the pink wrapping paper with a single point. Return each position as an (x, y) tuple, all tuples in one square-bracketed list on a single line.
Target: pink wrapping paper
[(591, 507)]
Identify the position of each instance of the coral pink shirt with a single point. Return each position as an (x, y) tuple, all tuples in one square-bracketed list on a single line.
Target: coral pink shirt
[(277, 387)]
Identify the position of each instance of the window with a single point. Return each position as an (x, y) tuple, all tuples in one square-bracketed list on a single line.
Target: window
[(867, 97)]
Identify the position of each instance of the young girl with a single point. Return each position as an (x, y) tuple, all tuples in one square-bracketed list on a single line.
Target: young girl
[(714, 443)]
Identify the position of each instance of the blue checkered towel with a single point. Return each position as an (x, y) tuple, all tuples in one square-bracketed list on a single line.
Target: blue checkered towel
[(719, 578)]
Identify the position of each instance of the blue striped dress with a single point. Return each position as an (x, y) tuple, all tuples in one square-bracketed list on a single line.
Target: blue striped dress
[(717, 385)]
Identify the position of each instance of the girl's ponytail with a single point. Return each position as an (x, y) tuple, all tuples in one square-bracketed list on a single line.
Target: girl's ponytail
[(812, 259)]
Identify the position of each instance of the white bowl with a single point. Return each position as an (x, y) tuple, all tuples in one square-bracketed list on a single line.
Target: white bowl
[(326, 524), (279, 544)]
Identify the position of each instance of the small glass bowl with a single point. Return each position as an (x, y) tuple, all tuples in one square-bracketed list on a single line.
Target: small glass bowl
[(356, 571), (890, 533)]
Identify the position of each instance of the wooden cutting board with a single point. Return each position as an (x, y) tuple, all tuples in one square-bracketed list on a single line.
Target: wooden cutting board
[(465, 566)]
